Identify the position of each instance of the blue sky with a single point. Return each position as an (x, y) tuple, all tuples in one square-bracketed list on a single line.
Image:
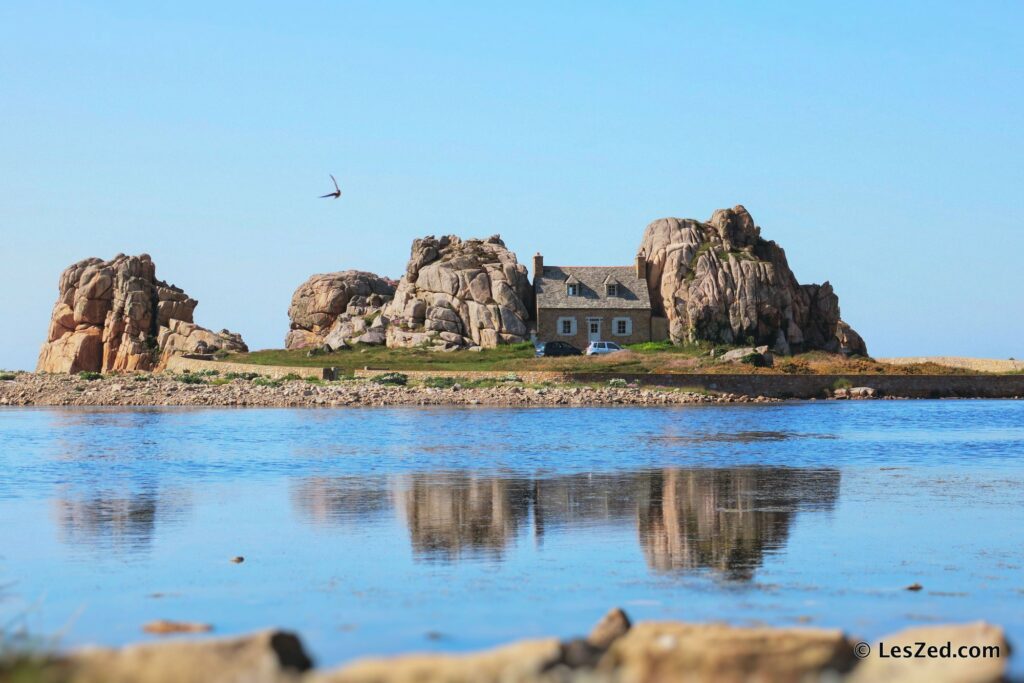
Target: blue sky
[(879, 143)]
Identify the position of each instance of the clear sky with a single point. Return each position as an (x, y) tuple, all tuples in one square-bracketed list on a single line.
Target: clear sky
[(880, 143)]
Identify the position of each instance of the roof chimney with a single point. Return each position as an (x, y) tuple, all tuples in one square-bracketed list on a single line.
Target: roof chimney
[(641, 264), (538, 266)]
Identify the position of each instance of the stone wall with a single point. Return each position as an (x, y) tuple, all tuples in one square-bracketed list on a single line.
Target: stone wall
[(547, 324), (182, 365), (778, 386)]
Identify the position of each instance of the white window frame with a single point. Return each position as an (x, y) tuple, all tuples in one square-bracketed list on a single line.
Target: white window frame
[(611, 289), (615, 327), (572, 290), (559, 326)]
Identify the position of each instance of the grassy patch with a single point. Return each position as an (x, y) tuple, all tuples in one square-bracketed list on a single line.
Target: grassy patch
[(266, 382), (89, 376), (391, 378), (7, 376), (248, 376)]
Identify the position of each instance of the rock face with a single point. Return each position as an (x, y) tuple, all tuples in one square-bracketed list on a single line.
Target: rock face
[(460, 293), (334, 309), (115, 316), (720, 281)]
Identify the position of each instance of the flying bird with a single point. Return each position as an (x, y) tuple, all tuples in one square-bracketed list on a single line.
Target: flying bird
[(336, 193)]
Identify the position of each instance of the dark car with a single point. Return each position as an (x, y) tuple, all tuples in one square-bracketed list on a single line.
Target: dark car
[(557, 348)]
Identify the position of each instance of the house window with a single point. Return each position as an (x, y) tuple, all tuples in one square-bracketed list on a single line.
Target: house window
[(612, 289), (572, 290), (622, 327), (567, 326)]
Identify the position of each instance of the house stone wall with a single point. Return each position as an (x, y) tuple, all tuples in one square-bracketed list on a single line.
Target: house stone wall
[(547, 325)]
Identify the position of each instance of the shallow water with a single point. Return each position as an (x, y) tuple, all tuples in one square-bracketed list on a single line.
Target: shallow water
[(394, 529)]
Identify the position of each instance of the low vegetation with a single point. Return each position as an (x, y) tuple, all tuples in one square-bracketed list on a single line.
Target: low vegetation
[(392, 378), (90, 376), (637, 359), (8, 376)]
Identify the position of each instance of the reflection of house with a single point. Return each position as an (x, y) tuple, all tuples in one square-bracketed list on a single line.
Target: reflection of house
[(450, 514), (341, 500), (580, 304)]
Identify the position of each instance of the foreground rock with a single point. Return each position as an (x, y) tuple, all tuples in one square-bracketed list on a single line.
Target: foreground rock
[(720, 281), (266, 657), (460, 293), (649, 652), (115, 316), (336, 309)]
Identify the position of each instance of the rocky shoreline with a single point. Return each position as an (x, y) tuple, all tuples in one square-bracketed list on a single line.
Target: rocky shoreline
[(34, 389), (615, 651)]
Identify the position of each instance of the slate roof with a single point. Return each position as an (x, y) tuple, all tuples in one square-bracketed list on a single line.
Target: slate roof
[(550, 287)]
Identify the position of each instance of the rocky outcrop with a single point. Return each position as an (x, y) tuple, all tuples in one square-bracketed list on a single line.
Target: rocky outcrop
[(720, 281), (336, 309), (113, 316), (460, 293)]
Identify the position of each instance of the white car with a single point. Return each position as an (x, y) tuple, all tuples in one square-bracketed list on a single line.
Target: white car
[(599, 348)]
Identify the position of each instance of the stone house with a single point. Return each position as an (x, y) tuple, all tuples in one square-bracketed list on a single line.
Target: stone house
[(580, 304)]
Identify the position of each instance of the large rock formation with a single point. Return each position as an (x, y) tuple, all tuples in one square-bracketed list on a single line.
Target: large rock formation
[(334, 309), (115, 316), (460, 293), (720, 281)]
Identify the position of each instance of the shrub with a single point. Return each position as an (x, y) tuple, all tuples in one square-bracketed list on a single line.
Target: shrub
[(291, 377), (266, 382), (206, 373), (314, 380), (89, 376), (241, 375), (189, 378), (440, 382), (618, 383), (842, 383), (392, 378), (7, 376), (140, 377), (647, 347)]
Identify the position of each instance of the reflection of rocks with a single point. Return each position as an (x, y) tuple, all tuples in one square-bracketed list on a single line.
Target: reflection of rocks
[(725, 519), (111, 520), (452, 513), (334, 500)]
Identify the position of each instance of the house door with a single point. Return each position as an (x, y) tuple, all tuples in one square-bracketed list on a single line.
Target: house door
[(594, 329)]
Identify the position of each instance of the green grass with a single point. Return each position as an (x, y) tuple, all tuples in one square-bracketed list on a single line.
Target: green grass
[(7, 376), (645, 358), (382, 358), (89, 376)]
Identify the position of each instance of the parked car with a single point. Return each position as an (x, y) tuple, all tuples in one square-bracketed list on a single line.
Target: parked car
[(557, 348), (598, 348)]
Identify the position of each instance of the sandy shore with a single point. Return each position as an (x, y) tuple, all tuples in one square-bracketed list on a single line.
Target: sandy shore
[(29, 389)]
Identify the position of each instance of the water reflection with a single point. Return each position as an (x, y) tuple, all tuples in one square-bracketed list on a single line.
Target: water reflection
[(117, 521), (453, 514), (338, 500), (720, 520), (725, 519)]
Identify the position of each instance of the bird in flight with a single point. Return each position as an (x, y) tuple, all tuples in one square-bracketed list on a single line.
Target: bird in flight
[(336, 193)]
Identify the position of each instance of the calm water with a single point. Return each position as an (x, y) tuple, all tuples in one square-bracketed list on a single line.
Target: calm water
[(383, 530)]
